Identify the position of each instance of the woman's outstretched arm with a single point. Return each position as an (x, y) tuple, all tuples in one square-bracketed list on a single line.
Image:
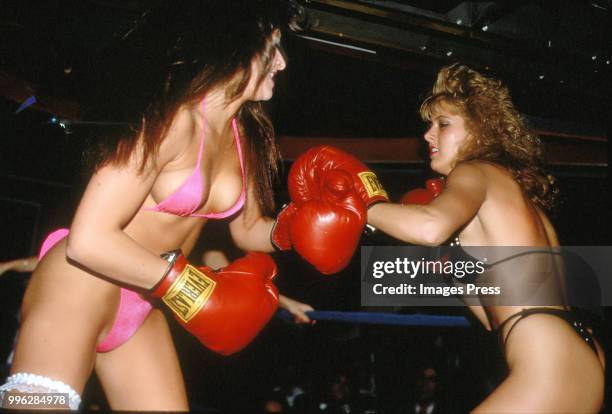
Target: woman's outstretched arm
[(434, 223)]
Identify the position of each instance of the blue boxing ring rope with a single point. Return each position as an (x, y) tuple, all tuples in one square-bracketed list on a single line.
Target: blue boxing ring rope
[(382, 318)]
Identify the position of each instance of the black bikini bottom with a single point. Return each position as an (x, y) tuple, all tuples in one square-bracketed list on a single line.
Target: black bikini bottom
[(567, 315)]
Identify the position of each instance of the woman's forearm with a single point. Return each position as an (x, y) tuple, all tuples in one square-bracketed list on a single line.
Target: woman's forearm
[(410, 223), (254, 236), (117, 256)]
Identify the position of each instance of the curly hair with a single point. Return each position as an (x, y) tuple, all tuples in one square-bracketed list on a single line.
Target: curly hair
[(498, 132)]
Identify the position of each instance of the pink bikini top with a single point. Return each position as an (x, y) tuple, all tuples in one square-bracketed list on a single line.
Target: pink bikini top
[(188, 197)]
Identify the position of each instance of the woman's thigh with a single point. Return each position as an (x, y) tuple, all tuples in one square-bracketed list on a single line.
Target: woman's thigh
[(524, 394), (65, 311), (552, 370), (144, 373)]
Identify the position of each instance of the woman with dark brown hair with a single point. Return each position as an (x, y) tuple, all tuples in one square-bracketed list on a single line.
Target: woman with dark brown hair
[(496, 195), (197, 146)]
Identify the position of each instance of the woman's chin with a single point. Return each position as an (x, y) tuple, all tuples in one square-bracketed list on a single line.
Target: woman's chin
[(435, 166), (263, 96), (439, 168)]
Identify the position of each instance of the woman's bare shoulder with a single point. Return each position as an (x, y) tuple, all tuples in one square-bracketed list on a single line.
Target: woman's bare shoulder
[(467, 171), (180, 134), (485, 170), (485, 167), (549, 229)]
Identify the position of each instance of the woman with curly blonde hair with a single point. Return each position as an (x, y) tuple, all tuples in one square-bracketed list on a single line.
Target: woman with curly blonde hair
[(495, 195)]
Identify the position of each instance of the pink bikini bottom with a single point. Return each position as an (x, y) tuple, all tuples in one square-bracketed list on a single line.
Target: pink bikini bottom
[(132, 312)]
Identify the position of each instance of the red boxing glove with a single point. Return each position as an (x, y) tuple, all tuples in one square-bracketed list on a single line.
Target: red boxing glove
[(330, 191), (315, 163), (434, 187), (226, 309)]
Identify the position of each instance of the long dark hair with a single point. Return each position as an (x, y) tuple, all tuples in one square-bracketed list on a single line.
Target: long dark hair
[(173, 55)]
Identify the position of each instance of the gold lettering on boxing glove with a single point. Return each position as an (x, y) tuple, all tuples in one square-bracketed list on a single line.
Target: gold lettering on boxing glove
[(372, 185), (188, 293)]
